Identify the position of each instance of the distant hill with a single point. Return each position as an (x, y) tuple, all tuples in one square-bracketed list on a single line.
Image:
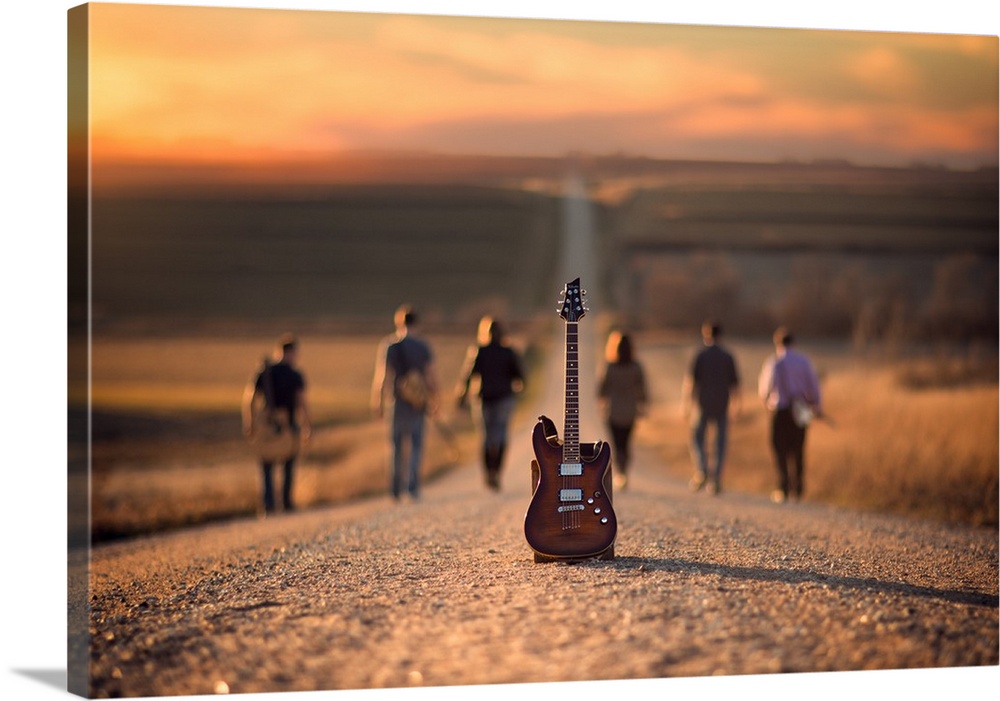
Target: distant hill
[(347, 239), (291, 175)]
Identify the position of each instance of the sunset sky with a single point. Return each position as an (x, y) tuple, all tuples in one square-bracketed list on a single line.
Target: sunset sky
[(222, 84)]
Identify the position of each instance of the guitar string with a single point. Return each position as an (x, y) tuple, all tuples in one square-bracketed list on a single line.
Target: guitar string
[(571, 518)]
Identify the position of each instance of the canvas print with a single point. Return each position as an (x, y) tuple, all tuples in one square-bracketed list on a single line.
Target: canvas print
[(445, 352)]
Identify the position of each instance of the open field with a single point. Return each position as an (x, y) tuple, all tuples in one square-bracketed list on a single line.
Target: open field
[(167, 449), (351, 253), (927, 450), (832, 249), (167, 444)]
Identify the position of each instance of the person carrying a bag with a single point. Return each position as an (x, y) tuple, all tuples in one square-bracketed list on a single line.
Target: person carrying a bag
[(276, 419), (404, 371), (789, 387)]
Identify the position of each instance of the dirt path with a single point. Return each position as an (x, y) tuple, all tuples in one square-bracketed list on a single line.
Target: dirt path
[(445, 592)]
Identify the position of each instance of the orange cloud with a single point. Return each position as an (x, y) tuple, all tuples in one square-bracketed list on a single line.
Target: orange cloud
[(883, 69), (210, 83)]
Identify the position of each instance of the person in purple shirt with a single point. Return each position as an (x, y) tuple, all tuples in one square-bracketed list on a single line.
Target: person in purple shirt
[(789, 387)]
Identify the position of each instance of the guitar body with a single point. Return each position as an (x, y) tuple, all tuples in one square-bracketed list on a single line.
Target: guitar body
[(570, 515)]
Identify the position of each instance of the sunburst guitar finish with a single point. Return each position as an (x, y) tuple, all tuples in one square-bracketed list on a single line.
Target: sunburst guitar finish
[(570, 515)]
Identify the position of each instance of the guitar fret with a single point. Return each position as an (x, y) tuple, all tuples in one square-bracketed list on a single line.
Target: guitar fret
[(571, 435)]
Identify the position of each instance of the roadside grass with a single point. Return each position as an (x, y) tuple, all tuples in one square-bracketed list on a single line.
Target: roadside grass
[(927, 449), (930, 452), (167, 449)]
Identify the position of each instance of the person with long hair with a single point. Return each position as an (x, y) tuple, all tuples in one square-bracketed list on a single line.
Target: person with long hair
[(624, 396), (497, 367)]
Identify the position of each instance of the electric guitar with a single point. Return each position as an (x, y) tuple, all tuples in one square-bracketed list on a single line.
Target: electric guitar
[(570, 515)]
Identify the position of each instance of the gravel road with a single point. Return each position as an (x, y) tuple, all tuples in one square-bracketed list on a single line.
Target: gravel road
[(445, 592)]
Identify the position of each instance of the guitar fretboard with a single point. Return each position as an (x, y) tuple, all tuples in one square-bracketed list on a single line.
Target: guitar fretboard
[(571, 430)]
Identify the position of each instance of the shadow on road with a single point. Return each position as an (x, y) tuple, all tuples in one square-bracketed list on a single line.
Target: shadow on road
[(795, 576)]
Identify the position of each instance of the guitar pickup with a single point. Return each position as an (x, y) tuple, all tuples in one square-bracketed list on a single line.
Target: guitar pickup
[(571, 469), (571, 507), (571, 495)]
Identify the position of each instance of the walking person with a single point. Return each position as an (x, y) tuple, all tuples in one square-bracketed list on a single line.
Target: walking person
[(276, 419), (623, 395), (789, 387), (711, 385), (497, 368), (404, 371)]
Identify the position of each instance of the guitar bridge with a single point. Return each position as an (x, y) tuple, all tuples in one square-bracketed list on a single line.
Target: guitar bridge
[(571, 507)]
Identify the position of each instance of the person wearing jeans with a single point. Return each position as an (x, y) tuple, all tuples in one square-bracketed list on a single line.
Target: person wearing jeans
[(711, 385), (407, 449), (497, 367), (398, 357)]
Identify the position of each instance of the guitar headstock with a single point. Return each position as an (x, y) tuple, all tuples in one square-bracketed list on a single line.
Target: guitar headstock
[(573, 308)]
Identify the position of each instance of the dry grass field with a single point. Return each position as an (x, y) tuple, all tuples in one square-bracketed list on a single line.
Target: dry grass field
[(167, 449), (927, 449), (167, 446)]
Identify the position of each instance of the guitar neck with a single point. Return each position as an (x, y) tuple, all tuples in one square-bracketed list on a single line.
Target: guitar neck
[(571, 429)]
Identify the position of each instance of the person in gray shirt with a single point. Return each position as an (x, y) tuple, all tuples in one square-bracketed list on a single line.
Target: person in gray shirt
[(404, 371)]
